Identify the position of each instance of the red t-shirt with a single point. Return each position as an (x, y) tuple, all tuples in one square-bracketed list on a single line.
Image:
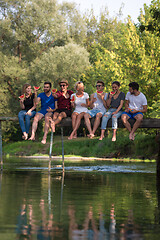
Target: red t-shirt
[(64, 103)]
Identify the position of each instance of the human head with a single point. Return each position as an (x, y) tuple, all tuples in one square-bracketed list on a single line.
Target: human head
[(64, 85), (101, 82), (134, 86), (100, 85), (27, 88), (49, 83), (115, 86), (47, 86), (79, 86)]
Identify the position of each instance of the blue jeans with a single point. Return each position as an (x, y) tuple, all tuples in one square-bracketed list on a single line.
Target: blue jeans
[(109, 115), (24, 120)]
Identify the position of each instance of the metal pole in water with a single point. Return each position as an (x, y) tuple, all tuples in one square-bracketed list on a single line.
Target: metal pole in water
[(1, 146), (62, 148), (50, 151)]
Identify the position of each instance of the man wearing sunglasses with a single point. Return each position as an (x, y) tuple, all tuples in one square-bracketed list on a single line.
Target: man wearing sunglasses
[(64, 104), (98, 109)]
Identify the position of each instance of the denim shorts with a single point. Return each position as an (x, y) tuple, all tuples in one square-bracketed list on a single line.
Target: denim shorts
[(94, 112), (132, 115)]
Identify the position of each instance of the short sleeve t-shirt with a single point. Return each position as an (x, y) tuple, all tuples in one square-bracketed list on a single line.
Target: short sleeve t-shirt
[(64, 103), (47, 102), (79, 101), (116, 102), (136, 102)]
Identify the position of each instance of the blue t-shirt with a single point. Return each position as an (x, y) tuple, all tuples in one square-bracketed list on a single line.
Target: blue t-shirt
[(47, 102)]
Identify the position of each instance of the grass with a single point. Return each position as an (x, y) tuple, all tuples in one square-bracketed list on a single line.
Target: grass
[(144, 147)]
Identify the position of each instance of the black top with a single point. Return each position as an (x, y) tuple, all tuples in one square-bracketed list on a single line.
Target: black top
[(29, 102)]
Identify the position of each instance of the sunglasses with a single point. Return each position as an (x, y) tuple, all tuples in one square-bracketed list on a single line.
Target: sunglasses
[(98, 85), (63, 85)]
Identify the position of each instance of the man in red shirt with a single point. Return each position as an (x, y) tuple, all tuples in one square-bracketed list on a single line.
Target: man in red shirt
[(64, 104)]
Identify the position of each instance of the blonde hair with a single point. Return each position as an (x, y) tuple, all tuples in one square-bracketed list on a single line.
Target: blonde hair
[(78, 83)]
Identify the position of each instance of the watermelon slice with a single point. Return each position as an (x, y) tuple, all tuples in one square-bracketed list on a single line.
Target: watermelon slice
[(99, 92), (36, 88), (112, 92), (73, 98), (22, 96), (54, 90)]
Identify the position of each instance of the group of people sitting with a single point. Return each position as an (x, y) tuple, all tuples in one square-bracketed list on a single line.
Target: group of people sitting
[(56, 105)]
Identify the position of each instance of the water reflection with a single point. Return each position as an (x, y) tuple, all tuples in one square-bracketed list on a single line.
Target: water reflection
[(91, 228), (76, 205)]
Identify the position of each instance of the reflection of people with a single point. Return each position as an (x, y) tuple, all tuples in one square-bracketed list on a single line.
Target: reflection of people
[(98, 108), (23, 228), (135, 106), (81, 103), (129, 230), (45, 231), (27, 104), (48, 106), (89, 231), (114, 102), (64, 104)]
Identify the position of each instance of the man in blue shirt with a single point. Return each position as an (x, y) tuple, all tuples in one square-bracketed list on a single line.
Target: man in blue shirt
[(48, 106)]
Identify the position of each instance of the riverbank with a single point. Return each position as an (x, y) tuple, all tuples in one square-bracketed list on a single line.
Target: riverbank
[(144, 147)]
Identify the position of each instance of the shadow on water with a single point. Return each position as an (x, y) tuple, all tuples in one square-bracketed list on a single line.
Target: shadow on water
[(90, 200)]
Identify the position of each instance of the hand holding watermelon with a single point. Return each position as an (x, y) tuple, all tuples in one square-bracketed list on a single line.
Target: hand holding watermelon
[(54, 90), (36, 88), (22, 97), (73, 99), (112, 92)]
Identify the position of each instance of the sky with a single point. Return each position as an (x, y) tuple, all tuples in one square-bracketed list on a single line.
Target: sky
[(131, 7)]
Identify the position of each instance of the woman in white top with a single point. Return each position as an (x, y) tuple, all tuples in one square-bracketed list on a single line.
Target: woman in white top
[(80, 101)]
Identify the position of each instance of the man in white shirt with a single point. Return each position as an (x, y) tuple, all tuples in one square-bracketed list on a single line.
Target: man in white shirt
[(135, 106), (97, 104)]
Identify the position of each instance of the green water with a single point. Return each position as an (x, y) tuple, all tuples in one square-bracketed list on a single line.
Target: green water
[(91, 200)]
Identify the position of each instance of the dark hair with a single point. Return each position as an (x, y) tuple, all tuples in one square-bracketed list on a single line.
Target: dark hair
[(47, 82), (134, 85), (100, 81), (117, 83)]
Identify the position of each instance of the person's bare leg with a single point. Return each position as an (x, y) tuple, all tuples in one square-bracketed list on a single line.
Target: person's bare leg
[(96, 123), (136, 125), (78, 122), (102, 134), (46, 127), (88, 122), (74, 119), (37, 117), (51, 120), (125, 118), (114, 135)]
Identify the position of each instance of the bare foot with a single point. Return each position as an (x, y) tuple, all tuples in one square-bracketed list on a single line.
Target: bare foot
[(32, 138), (25, 136), (132, 136), (113, 139), (92, 136), (70, 137), (101, 138), (43, 141), (52, 124)]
